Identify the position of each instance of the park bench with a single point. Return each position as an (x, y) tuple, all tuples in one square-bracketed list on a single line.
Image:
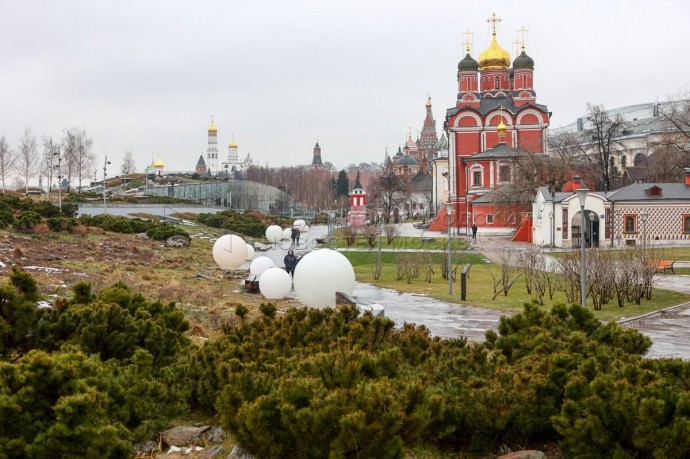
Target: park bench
[(665, 265)]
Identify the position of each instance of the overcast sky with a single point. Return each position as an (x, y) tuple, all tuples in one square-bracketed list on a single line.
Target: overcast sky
[(280, 75)]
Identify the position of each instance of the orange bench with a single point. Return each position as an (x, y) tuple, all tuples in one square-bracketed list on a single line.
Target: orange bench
[(665, 265)]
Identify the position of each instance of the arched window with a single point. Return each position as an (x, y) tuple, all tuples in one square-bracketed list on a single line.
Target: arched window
[(476, 178), (630, 224), (640, 160)]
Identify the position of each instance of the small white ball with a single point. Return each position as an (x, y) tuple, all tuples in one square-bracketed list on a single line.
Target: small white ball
[(260, 264), (274, 233), (275, 283), (287, 233), (250, 252)]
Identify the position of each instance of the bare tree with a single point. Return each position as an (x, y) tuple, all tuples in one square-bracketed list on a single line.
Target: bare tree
[(69, 153), (603, 132), (128, 165), (7, 161), (27, 158), (50, 148), (85, 159), (389, 191), (676, 113)]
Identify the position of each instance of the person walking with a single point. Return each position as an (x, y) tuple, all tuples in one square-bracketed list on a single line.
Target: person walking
[(290, 261), (474, 231), (293, 235), (297, 235)]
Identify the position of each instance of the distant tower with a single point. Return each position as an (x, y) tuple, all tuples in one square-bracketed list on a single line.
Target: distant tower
[(358, 205), (201, 165), (212, 151), (316, 160), (428, 138), (233, 157)]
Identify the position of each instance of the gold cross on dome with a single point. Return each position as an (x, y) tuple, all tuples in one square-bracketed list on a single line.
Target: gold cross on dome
[(522, 31), (494, 20), (468, 39)]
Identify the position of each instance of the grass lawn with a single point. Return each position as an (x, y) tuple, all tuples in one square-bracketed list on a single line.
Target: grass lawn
[(401, 243), (480, 286)]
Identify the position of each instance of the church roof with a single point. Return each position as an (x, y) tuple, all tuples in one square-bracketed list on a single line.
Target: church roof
[(406, 160), (639, 192), (201, 161), (523, 61), (421, 182), (499, 151), (490, 104)]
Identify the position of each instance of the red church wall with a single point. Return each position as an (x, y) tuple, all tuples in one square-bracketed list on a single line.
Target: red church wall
[(530, 140), (467, 143)]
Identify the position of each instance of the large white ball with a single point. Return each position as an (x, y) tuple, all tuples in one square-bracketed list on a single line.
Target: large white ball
[(287, 233), (260, 264), (321, 273), (230, 251), (275, 283), (274, 233), (250, 252), (299, 222)]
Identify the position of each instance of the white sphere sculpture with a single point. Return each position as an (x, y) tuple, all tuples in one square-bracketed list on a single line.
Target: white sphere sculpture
[(275, 283), (299, 222), (274, 233), (230, 251), (321, 273), (260, 264), (250, 252), (302, 225), (287, 233)]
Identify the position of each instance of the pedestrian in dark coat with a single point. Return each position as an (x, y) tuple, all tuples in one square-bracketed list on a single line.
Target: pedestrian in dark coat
[(290, 261), (474, 231), (293, 235)]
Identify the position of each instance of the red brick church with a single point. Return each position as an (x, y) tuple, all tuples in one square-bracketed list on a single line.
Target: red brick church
[(495, 121)]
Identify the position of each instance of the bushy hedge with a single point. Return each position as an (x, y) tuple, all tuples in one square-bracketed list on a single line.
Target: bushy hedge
[(237, 222), (328, 384), (117, 224), (91, 375)]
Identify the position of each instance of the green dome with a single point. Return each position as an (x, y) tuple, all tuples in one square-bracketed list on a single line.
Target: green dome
[(468, 64), (523, 61)]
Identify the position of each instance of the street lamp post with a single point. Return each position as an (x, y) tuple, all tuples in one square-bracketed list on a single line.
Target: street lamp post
[(582, 196), (553, 218), (380, 230), (449, 208), (105, 167), (59, 170), (643, 217)]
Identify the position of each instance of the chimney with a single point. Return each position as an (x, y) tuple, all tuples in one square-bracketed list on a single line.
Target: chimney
[(687, 176)]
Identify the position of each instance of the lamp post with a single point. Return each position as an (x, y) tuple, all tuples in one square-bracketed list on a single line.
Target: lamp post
[(553, 217), (643, 217), (449, 208), (105, 167), (582, 196), (59, 171), (331, 227), (380, 229)]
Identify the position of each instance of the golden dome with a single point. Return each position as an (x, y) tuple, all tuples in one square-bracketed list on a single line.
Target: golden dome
[(501, 128), (494, 57), (232, 144), (428, 102), (212, 127), (159, 163)]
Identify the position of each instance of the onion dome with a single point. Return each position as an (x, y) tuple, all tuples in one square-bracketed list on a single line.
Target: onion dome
[(159, 163), (407, 160), (232, 144), (523, 61), (494, 57), (428, 102), (468, 64), (501, 128), (212, 127), (442, 143)]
